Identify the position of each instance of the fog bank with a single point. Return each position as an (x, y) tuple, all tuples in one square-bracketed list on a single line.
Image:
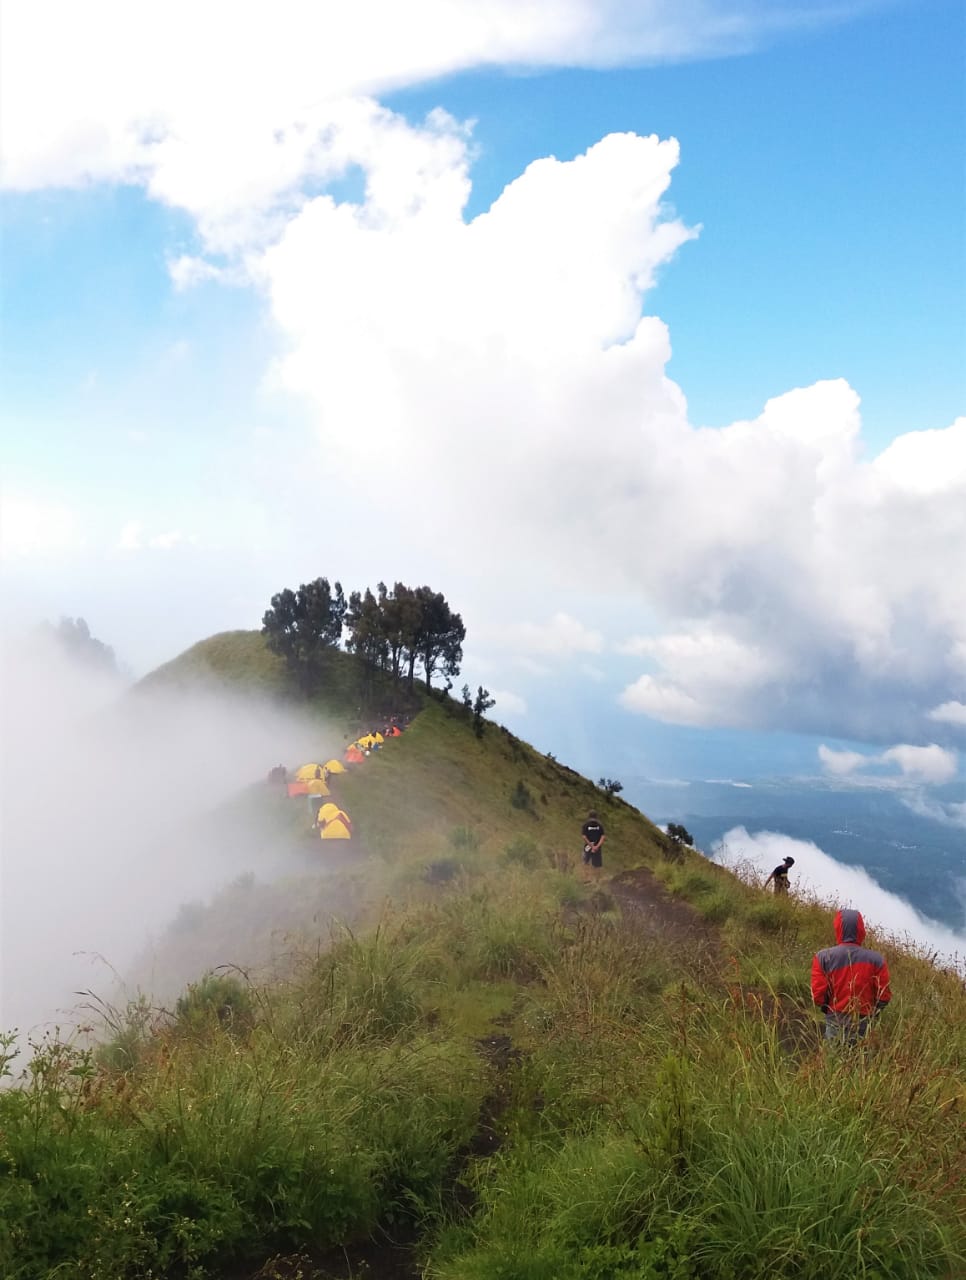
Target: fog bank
[(103, 798)]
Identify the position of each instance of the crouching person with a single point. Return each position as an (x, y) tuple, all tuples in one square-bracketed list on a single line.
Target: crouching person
[(850, 982)]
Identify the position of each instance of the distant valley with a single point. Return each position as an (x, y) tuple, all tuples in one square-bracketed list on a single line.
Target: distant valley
[(888, 833)]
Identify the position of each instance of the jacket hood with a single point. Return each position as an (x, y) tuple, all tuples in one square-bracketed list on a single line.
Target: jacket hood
[(849, 927)]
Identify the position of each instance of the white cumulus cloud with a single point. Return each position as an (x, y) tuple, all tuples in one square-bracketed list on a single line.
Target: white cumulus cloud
[(507, 703), (926, 764), (952, 813), (841, 763), (224, 109), (562, 635), (663, 701), (713, 669), (916, 764), (951, 712), (799, 583)]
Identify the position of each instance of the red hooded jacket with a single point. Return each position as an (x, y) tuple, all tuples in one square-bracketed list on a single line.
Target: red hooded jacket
[(850, 978)]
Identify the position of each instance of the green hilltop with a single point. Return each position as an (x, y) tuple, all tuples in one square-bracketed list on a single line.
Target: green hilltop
[(464, 1063), (235, 659)]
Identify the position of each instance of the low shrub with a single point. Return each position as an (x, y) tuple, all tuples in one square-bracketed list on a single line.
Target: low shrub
[(217, 998), (129, 1032), (464, 838), (504, 931), (716, 906), (521, 797), (565, 889), (362, 988), (769, 915), (524, 852), (443, 870)]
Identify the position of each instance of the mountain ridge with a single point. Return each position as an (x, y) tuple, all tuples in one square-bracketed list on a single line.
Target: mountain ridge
[(465, 1064)]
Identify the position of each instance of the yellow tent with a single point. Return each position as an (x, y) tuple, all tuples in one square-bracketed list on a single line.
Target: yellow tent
[(366, 743), (334, 766), (337, 829), (317, 787), (334, 823), (379, 738), (309, 771)]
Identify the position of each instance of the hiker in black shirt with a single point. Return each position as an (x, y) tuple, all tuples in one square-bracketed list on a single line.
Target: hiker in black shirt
[(780, 876), (593, 835)]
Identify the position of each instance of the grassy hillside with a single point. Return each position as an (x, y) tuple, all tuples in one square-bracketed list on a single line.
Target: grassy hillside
[(238, 659), (446, 777), (241, 662), (469, 1066), (438, 802)]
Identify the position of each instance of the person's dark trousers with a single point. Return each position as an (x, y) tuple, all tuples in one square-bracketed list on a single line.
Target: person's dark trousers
[(845, 1028)]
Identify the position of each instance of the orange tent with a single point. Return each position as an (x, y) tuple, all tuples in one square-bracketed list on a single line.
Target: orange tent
[(297, 788), (353, 755)]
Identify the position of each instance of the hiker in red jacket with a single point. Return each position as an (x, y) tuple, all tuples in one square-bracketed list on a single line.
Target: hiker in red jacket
[(850, 983)]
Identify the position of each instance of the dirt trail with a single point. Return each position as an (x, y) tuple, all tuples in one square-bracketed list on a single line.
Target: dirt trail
[(644, 901), (646, 904)]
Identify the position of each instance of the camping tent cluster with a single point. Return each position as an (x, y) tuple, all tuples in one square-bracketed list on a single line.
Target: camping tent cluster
[(357, 751), (312, 780)]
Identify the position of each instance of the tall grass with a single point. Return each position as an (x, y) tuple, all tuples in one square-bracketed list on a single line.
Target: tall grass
[(729, 1162), (668, 1111), (222, 1142), (668, 1126)]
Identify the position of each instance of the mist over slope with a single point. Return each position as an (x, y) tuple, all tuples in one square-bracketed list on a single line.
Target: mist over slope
[(141, 841), (430, 803), (105, 794)]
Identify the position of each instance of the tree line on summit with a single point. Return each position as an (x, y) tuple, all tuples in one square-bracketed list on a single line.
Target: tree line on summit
[(397, 632)]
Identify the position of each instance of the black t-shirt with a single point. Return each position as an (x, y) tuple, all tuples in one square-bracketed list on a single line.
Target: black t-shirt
[(780, 873), (592, 831)]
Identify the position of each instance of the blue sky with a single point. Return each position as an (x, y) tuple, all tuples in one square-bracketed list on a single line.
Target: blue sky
[(255, 329), (837, 222)]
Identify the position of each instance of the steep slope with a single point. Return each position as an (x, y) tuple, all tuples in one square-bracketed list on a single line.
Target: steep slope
[(434, 802), (413, 794)]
